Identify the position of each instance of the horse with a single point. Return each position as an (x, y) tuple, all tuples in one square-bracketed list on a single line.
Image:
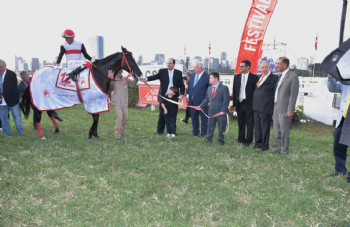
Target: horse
[(98, 82)]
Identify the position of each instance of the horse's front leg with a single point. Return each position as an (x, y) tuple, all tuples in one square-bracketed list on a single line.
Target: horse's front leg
[(50, 113), (93, 129)]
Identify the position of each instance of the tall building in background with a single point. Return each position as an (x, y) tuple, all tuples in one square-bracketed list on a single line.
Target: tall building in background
[(159, 59), (303, 63), (35, 64), (96, 47), (44, 63), (140, 61), (223, 57), (16, 63), (23, 66)]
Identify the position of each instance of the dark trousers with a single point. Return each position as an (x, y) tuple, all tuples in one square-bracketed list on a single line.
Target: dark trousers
[(195, 121), (161, 120), (222, 121), (245, 118), (170, 124), (262, 123), (340, 151), (188, 114)]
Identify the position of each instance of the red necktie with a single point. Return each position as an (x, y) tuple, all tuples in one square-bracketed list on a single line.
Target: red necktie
[(260, 81), (213, 93)]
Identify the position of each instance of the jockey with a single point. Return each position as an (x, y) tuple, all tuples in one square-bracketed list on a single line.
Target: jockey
[(72, 49)]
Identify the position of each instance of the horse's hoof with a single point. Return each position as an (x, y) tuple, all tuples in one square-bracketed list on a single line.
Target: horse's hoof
[(56, 131), (43, 138)]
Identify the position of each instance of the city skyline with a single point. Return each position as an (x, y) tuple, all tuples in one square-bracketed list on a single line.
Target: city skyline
[(292, 23)]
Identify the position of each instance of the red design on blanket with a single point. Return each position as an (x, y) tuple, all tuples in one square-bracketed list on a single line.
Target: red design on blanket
[(46, 93), (82, 83)]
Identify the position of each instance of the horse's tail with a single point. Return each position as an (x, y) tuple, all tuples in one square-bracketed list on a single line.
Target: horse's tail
[(25, 104)]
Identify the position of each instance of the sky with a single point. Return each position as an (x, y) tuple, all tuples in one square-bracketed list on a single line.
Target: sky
[(32, 29)]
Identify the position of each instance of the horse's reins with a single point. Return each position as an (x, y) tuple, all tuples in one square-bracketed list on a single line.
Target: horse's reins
[(195, 107)]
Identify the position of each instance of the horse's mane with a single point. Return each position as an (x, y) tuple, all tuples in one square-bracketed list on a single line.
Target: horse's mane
[(109, 58)]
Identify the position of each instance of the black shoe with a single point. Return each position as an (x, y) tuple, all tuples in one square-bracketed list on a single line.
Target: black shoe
[(264, 149), (184, 121), (194, 135), (256, 147), (58, 118), (207, 141), (335, 174), (247, 144), (284, 152), (221, 143), (348, 179), (117, 138), (203, 136), (159, 134)]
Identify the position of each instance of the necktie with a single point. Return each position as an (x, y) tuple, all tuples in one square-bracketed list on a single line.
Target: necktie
[(195, 81), (242, 90), (260, 81), (170, 79), (213, 93), (279, 78), (0, 89), (346, 107)]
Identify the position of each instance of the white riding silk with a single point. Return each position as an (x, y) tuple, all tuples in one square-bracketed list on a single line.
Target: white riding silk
[(50, 91)]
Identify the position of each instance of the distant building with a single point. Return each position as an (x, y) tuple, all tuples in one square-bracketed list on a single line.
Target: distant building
[(160, 59), (140, 61), (35, 64), (198, 58), (18, 62), (303, 63), (96, 47), (23, 66), (44, 63), (223, 57)]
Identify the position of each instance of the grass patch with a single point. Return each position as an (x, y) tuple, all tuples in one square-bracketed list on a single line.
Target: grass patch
[(146, 180)]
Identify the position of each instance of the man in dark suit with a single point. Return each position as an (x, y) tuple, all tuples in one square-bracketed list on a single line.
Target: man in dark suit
[(168, 77), (10, 99), (218, 98), (263, 106), (243, 88), (286, 94), (197, 90), (22, 86)]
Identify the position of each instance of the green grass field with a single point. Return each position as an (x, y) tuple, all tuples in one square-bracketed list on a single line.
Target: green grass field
[(145, 180)]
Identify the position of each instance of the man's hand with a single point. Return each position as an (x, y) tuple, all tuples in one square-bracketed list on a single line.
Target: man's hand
[(110, 74), (222, 113), (234, 109), (93, 61), (143, 79), (20, 99), (198, 108), (289, 114), (180, 98), (330, 77), (165, 111)]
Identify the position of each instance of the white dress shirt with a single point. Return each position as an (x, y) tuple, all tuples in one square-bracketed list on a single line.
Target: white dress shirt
[(279, 83), (3, 79)]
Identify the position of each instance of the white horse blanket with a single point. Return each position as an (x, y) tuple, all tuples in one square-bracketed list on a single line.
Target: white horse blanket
[(50, 91)]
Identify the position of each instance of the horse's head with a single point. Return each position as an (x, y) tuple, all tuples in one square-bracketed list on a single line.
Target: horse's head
[(120, 60), (129, 63)]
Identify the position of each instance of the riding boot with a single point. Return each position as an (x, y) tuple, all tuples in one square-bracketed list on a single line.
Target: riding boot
[(75, 72)]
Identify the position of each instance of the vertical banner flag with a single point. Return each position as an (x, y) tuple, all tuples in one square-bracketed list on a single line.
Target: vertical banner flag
[(316, 41), (254, 31)]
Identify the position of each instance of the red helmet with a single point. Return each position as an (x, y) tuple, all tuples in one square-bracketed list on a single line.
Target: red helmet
[(68, 33)]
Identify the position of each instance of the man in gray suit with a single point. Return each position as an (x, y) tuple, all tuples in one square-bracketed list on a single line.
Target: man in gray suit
[(286, 94), (218, 98)]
